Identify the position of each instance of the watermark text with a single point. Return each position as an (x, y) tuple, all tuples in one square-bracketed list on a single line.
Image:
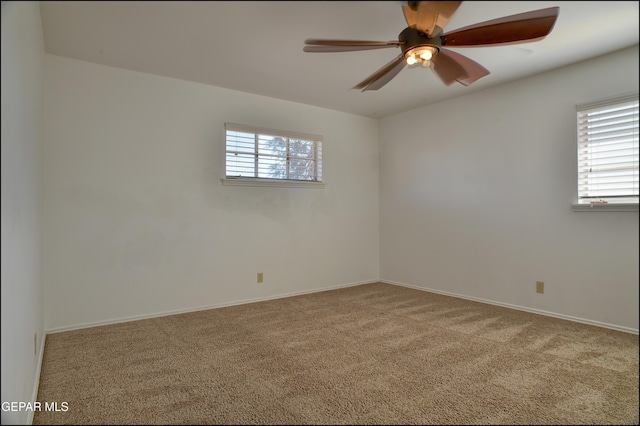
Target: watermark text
[(34, 406)]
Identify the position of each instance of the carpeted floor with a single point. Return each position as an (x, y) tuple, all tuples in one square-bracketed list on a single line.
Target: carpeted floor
[(370, 354)]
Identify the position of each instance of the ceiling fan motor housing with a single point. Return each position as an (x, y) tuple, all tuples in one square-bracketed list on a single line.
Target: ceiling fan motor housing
[(412, 38)]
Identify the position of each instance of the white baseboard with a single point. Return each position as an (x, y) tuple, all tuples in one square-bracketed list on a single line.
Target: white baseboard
[(201, 308), (36, 379), (318, 290), (519, 308)]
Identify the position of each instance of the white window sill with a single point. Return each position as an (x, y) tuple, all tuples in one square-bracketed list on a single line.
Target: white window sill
[(610, 207), (278, 183)]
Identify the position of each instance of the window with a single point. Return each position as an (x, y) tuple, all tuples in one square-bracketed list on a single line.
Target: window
[(608, 152), (256, 156)]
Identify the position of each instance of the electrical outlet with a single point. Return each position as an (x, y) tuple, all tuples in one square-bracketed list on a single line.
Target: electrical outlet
[(260, 277), (539, 287)]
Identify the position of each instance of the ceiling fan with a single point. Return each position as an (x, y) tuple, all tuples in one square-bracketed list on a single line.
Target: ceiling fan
[(423, 41)]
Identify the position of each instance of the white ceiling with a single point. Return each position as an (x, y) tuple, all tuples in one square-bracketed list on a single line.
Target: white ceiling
[(256, 46)]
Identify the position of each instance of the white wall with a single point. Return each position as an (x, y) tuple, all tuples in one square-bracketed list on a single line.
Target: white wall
[(476, 197), (137, 222), (22, 304)]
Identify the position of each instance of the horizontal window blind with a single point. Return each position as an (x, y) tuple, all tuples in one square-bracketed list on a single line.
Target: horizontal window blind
[(253, 152), (608, 151)]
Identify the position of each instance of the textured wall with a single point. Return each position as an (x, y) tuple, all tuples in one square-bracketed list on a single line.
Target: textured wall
[(476, 199), (137, 222), (22, 293)]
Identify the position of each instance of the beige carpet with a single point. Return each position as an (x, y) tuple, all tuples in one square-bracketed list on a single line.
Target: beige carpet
[(370, 354)]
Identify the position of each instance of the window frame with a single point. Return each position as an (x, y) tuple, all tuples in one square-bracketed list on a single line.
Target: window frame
[(275, 182), (584, 203)]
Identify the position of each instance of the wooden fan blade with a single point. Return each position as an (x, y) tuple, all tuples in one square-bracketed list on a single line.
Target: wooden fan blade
[(383, 75), (433, 16), (430, 17), (346, 48), (521, 28), (410, 15), (447, 69), (451, 66), (322, 46)]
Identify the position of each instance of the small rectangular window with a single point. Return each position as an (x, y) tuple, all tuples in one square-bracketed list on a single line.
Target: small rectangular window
[(608, 151), (263, 154)]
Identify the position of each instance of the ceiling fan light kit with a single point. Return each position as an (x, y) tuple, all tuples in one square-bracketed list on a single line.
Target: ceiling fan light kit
[(417, 47), (424, 43)]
